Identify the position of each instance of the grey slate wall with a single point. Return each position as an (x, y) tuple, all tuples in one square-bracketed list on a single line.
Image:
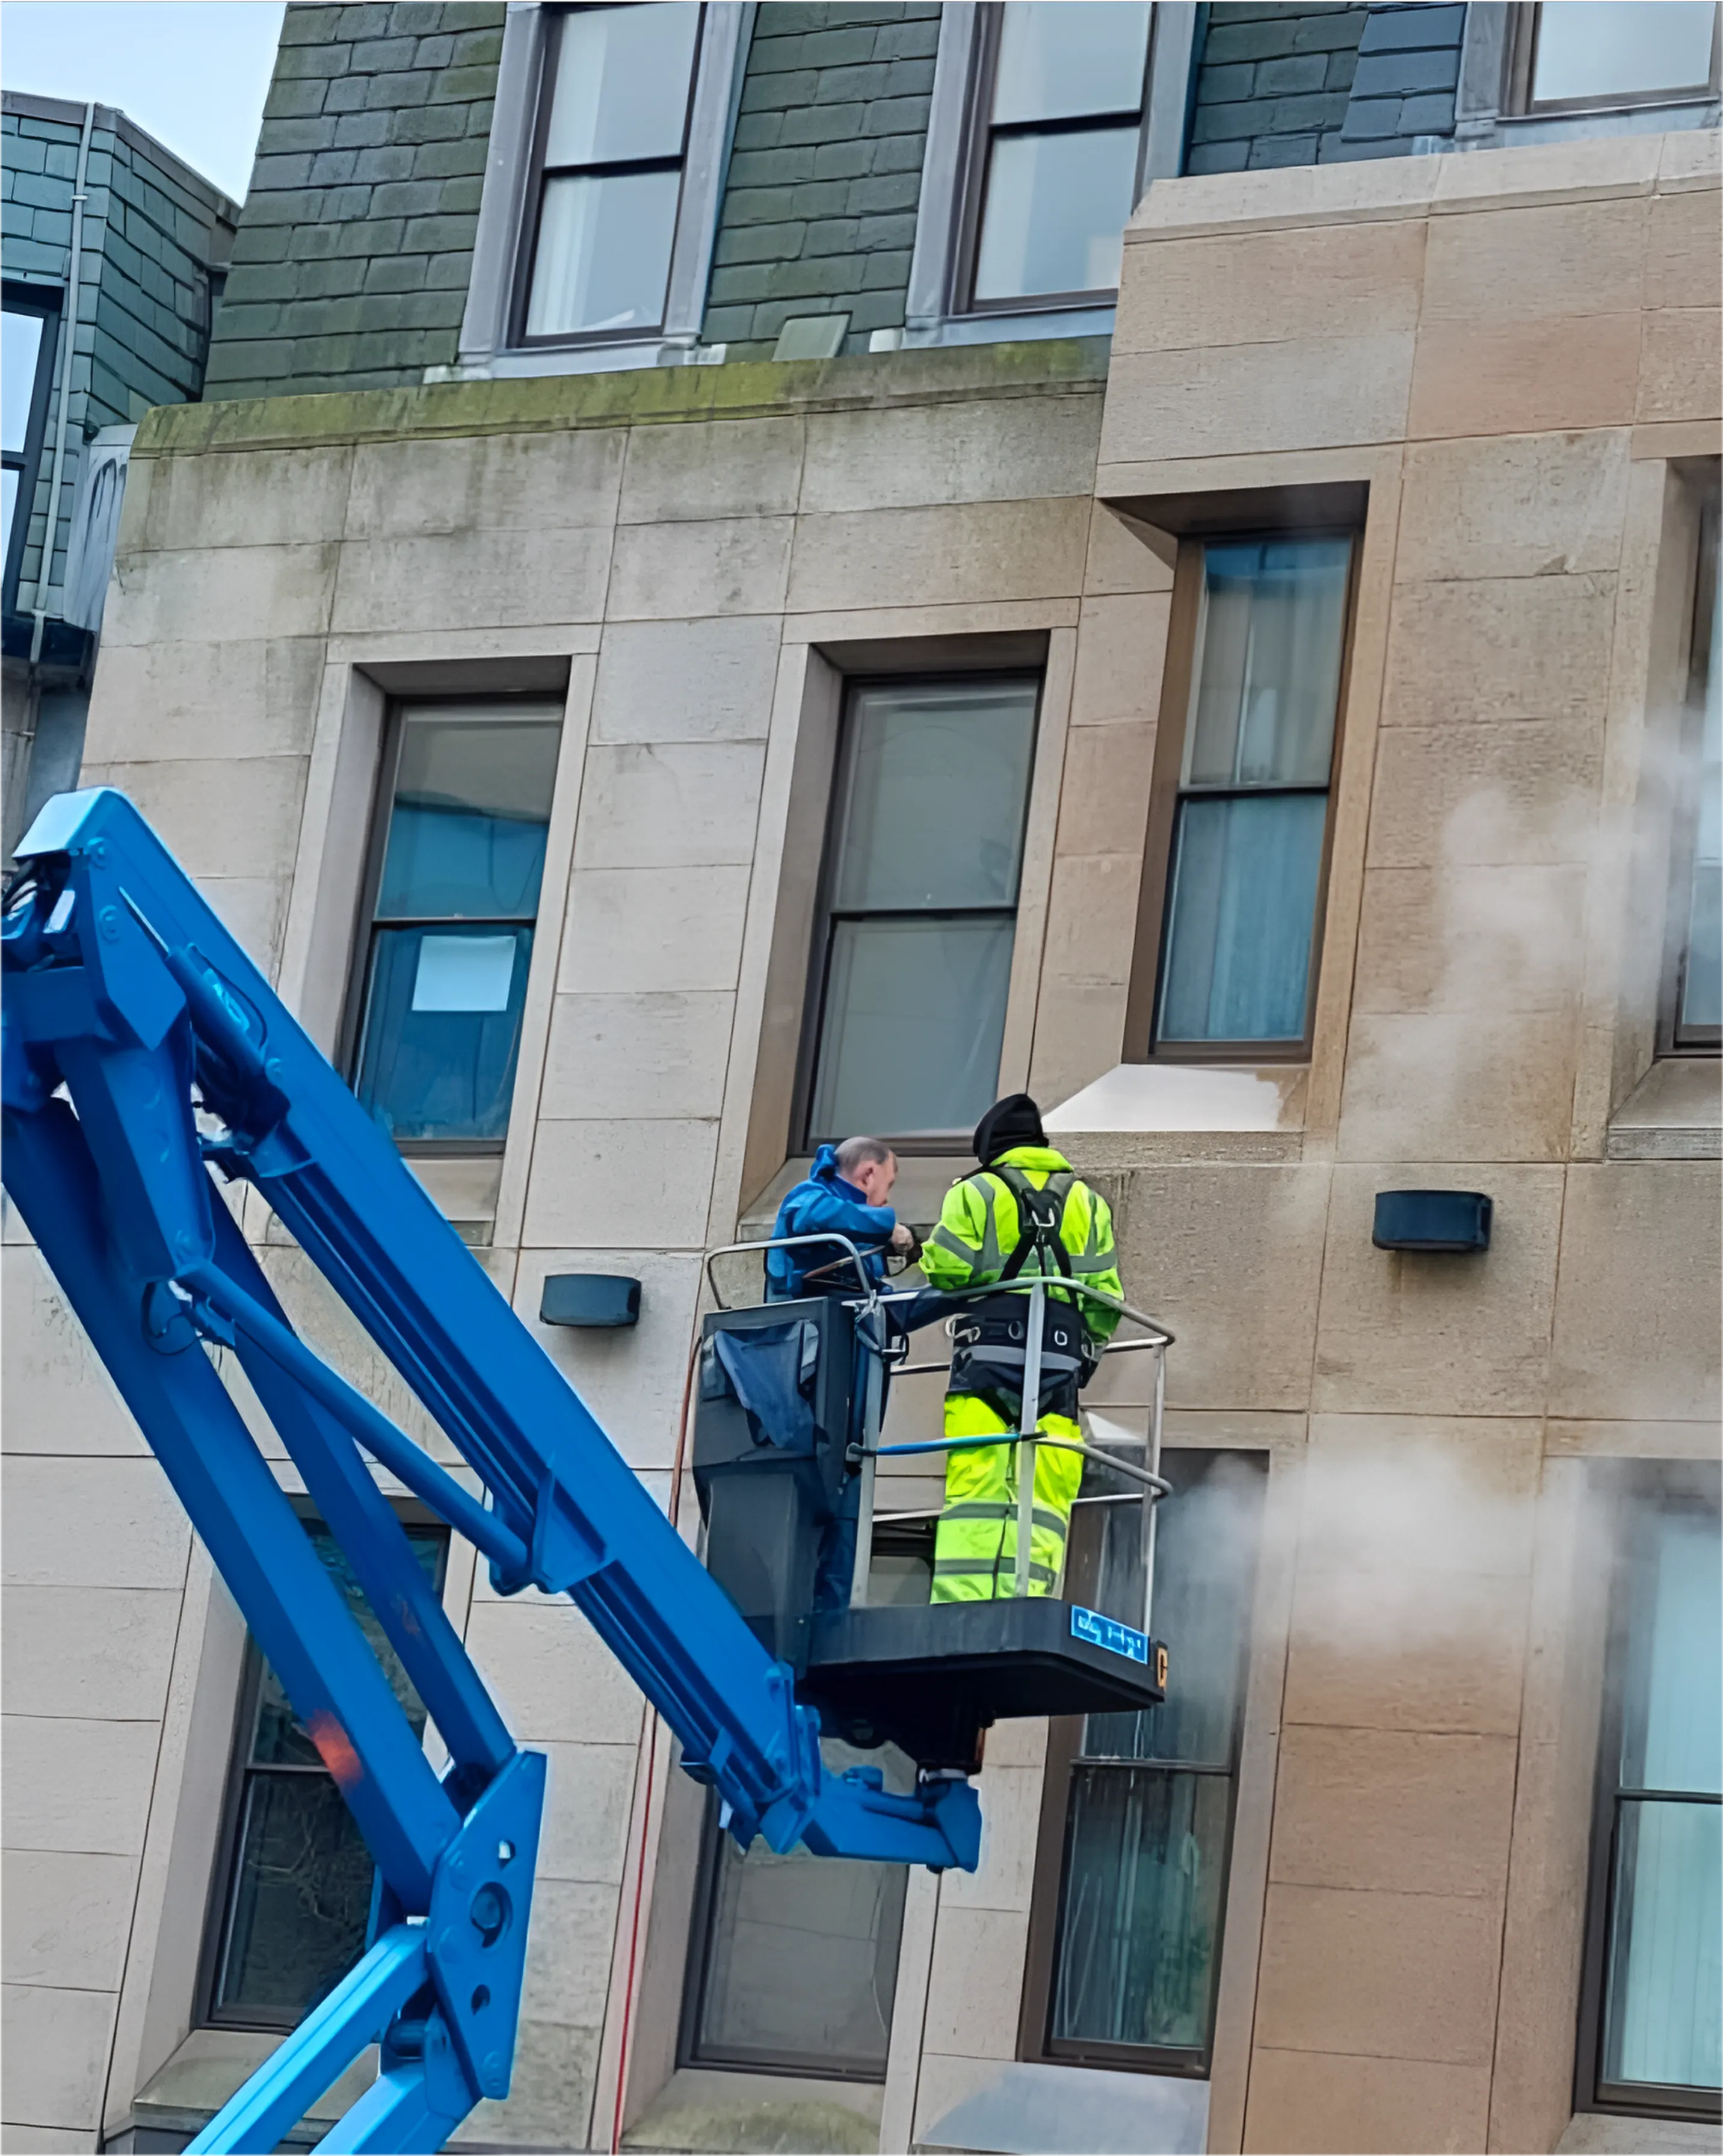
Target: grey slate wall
[(819, 215), (155, 232), (1313, 82), (353, 256)]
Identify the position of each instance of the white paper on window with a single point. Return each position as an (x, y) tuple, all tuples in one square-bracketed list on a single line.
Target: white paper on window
[(463, 974)]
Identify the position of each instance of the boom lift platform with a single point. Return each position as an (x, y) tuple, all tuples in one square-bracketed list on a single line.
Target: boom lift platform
[(143, 1050)]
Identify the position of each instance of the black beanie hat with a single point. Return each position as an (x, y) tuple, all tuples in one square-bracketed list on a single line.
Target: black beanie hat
[(1014, 1121)]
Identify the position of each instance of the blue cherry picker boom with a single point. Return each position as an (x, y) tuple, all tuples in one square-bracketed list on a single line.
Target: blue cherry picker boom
[(146, 1064)]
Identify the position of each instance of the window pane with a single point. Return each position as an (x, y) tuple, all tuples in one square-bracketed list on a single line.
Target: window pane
[(1702, 975), (1602, 49), (1059, 60), (1672, 1734), (472, 805), (935, 783), (1205, 1574), (803, 1960), (441, 1032), (19, 350), (622, 84), (1665, 2009), (1139, 1923), (1266, 676), (1055, 211), (915, 1015), (301, 1896), (1240, 916), (8, 483), (603, 253)]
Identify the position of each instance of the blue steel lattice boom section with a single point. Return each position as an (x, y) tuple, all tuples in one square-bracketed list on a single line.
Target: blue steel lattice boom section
[(129, 1009)]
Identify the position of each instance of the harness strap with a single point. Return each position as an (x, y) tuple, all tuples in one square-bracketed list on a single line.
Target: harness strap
[(1042, 1212)]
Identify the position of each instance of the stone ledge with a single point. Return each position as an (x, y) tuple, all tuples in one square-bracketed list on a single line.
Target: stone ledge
[(1675, 1112)]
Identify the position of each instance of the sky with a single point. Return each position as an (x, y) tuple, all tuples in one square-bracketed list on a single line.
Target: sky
[(192, 73)]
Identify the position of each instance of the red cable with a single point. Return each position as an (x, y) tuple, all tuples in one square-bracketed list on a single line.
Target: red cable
[(622, 2062)]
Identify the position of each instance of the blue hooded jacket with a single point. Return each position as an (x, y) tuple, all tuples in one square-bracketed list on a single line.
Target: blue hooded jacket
[(827, 1202)]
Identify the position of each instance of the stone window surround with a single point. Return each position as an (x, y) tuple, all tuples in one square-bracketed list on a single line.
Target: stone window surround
[(484, 351), (1484, 117), (931, 316)]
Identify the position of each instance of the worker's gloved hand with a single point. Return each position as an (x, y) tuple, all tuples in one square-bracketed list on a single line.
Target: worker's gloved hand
[(902, 1238)]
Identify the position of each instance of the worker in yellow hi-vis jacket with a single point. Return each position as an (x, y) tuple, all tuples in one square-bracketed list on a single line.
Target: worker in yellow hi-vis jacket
[(1026, 1211)]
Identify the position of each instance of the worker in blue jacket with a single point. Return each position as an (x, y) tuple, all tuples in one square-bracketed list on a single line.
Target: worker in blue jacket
[(845, 1193)]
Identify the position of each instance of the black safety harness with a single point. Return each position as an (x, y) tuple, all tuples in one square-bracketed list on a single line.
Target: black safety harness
[(991, 1337)]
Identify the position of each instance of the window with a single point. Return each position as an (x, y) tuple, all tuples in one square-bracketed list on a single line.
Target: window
[(1653, 1994), (1058, 150), (1235, 873), (613, 139), (293, 1891), (794, 1959), (912, 959), (26, 380), (1136, 1820), (461, 854), (1592, 54), (1699, 905)]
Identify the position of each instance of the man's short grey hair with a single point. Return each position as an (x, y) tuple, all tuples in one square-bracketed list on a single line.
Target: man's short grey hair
[(856, 1153)]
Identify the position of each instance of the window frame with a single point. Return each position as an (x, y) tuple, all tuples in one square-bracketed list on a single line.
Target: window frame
[(351, 1036), (1676, 1038), (1526, 25), (906, 1144), (1166, 791), (539, 173), (224, 1869), (1065, 1756), (18, 298), (1640, 1493), (973, 202)]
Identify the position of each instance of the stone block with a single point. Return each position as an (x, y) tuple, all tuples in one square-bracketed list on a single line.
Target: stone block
[(81, 1787), (1585, 169), (1565, 259), (669, 805), (1104, 802), (1524, 378), (603, 1185), (687, 680), (741, 468), (1635, 1325), (1079, 1029), (1458, 1085), (57, 2046), (1679, 376), (1392, 1810), (671, 571), (86, 1522), (902, 458), (1409, 1333), (645, 930), (221, 595), (1091, 916), (1011, 1822), (102, 1654), (1303, 393), (568, 1953), (1121, 643), (968, 554), (473, 579), (205, 700), (555, 2066), (56, 1396), (66, 1918), (1521, 791), (1683, 249), (1265, 288), (1536, 506), (1505, 941), (1379, 1975), (485, 482), (588, 1790), (220, 820), (659, 1054), (1334, 2105), (973, 1993), (552, 1674), (1499, 648)]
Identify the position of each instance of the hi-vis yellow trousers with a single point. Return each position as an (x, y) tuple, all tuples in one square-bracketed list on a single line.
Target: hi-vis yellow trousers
[(974, 1545)]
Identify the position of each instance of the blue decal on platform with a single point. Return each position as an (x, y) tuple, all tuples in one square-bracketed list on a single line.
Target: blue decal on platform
[(1108, 1632)]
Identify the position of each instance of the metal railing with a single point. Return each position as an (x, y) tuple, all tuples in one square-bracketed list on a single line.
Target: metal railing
[(872, 1301)]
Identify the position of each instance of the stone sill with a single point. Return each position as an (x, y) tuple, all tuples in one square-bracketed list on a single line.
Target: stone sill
[(183, 2095), (1145, 1115), (630, 396), (1675, 1112), (1613, 2133), (702, 2108)]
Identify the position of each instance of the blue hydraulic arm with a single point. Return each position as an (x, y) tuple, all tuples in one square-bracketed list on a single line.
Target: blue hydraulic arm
[(142, 1050)]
